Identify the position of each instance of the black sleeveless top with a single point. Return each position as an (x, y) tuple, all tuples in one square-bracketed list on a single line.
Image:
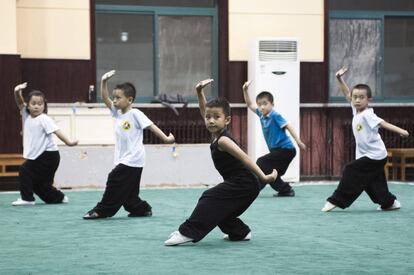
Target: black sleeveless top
[(230, 168)]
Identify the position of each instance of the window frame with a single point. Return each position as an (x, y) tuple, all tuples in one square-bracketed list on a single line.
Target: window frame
[(377, 15), (156, 11)]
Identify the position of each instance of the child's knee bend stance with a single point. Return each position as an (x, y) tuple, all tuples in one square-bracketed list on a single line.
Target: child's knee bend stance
[(123, 184), (40, 152)]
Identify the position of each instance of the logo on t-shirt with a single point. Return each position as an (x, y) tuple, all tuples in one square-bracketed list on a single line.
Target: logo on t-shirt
[(126, 125), (359, 127)]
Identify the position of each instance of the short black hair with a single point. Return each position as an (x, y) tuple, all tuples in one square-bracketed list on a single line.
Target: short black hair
[(220, 103), (36, 93), (363, 87), (265, 94), (128, 89)]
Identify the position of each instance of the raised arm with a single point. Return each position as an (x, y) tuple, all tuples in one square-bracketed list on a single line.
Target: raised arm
[(159, 133), (65, 139), (246, 96), (228, 145), (18, 97), (200, 94), (393, 128), (104, 88), (342, 84), (295, 136)]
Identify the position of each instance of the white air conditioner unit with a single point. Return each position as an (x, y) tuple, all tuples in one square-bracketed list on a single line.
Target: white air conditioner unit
[(274, 66)]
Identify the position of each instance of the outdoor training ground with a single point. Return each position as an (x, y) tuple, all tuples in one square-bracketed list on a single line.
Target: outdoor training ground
[(289, 236)]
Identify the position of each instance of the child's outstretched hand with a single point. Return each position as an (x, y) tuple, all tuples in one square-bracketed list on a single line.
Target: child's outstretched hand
[(302, 145), (271, 177), (246, 85), (170, 139), (108, 75), (20, 87), (200, 86), (404, 133), (341, 72)]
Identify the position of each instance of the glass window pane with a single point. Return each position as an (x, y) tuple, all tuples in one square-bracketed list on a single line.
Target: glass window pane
[(171, 3), (185, 50), (354, 43), (378, 5), (125, 42), (399, 56)]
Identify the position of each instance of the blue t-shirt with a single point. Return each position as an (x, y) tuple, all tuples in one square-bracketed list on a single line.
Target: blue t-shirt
[(273, 126)]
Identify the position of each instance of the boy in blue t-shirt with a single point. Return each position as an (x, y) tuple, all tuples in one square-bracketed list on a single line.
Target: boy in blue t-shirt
[(282, 150)]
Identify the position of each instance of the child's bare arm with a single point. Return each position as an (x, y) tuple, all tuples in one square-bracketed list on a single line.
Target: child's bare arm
[(246, 96), (342, 84), (104, 88), (200, 94), (159, 133), (296, 137), (18, 97), (393, 128), (65, 139), (226, 144)]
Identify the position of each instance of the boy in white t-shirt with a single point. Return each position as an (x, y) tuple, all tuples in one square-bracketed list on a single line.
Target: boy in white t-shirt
[(366, 173), (122, 187), (39, 150)]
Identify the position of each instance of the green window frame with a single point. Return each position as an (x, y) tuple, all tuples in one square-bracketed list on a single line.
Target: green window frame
[(156, 11), (381, 96)]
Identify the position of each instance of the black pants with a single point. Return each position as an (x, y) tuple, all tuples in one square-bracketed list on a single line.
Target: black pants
[(360, 175), (36, 176), (122, 189), (221, 206), (278, 159)]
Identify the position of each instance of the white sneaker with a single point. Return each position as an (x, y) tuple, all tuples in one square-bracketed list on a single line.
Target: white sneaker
[(19, 202), (395, 206), (177, 238), (65, 199), (328, 207), (247, 238)]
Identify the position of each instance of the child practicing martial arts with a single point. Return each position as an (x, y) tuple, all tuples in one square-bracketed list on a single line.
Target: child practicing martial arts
[(366, 172), (123, 184), (40, 152), (281, 149), (223, 204)]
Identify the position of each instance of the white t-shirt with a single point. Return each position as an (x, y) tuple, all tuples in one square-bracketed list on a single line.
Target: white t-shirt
[(37, 134), (365, 126), (129, 133)]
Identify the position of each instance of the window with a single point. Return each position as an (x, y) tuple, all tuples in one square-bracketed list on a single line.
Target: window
[(354, 43), (374, 39), (160, 49), (124, 42), (399, 57)]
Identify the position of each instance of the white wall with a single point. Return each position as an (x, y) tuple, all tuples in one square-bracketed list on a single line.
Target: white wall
[(8, 39), (53, 29), (87, 166), (91, 126), (303, 19)]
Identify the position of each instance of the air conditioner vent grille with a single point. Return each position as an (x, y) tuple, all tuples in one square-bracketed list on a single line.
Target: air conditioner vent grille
[(271, 50)]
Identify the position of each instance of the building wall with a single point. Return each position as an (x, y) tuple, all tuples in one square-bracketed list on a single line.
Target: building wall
[(303, 19), (49, 43), (163, 167), (10, 73), (46, 43), (8, 39), (327, 131), (53, 29)]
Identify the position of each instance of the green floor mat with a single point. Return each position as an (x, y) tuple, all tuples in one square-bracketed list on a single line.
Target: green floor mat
[(289, 236)]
